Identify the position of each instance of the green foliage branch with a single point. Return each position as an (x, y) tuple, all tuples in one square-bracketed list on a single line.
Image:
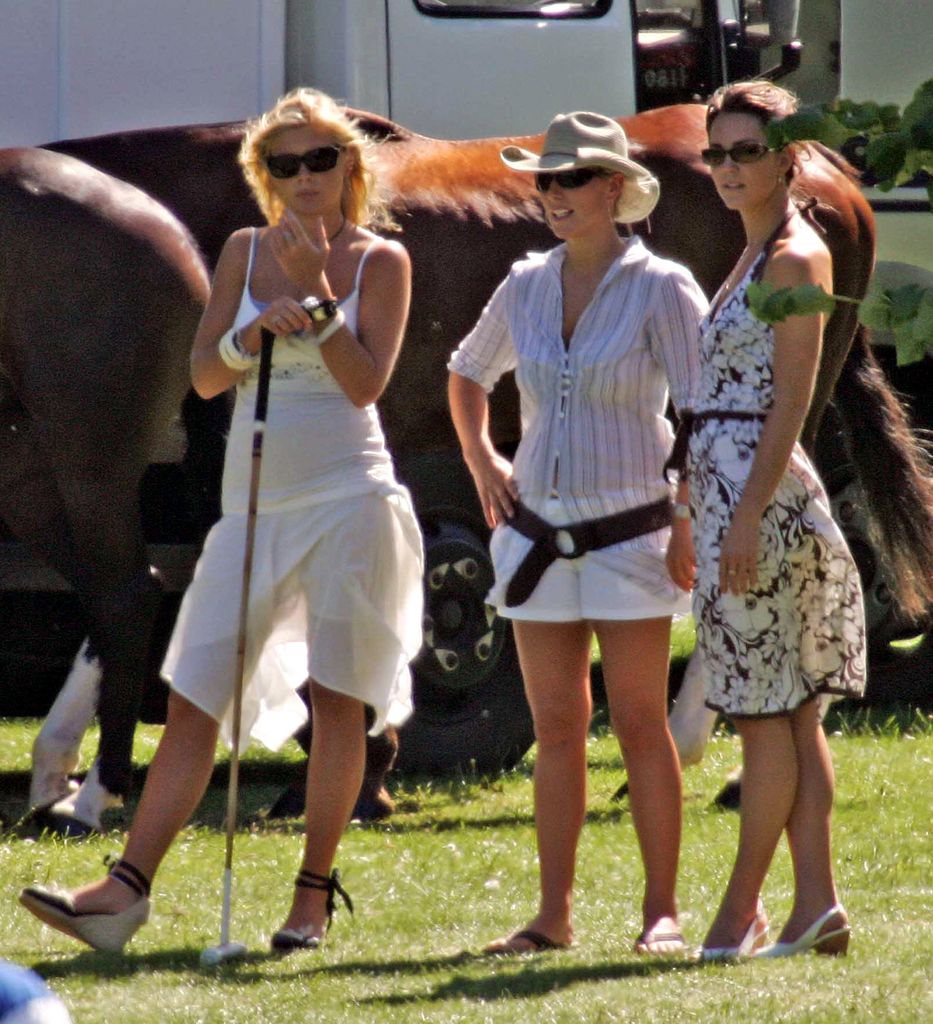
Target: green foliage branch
[(897, 147)]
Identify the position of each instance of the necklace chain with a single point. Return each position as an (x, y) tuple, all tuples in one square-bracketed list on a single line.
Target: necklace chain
[(336, 234)]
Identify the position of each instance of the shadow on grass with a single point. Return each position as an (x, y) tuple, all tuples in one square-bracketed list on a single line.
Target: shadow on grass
[(242, 970), (93, 964), (534, 979), (501, 978)]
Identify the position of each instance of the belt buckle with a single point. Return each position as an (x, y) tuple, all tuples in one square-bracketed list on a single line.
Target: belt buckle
[(563, 543)]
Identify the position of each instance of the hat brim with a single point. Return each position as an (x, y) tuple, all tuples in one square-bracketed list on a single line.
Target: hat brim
[(638, 201)]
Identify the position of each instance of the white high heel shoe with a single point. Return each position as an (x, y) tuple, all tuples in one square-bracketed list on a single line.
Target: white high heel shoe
[(831, 943), (755, 937)]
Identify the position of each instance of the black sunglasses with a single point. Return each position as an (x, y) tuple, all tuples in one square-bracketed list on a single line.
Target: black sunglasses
[(740, 153), (568, 179), (287, 165)]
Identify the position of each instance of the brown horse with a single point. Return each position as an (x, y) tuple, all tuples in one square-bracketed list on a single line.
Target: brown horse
[(101, 289), (464, 219)]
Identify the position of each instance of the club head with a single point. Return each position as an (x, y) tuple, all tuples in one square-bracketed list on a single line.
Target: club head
[(214, 955)]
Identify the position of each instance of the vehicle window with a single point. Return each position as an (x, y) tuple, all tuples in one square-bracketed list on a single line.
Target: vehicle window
[(672, 43), (514, 8)]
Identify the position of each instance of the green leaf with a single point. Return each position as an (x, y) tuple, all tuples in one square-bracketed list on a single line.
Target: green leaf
[(859, 117), (886, 154), (918, 117), (908, 347), (874, 310), (808, 300), (918, 160), (889, 117), (923, 321), (921, 332), (907, 312), (905, 302), (772, 305), (809, 124)]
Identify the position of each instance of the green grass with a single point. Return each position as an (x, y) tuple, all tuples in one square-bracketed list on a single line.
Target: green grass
[(456, 866)]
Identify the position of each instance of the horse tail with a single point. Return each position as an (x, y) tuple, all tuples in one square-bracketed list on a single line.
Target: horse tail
[(895, 470), (838, 161)]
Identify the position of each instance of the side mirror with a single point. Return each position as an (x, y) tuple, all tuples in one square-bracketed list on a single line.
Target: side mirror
[(782, 21), (760, 28)]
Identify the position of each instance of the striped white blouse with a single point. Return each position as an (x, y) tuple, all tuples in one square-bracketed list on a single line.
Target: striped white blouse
[(593, 425)]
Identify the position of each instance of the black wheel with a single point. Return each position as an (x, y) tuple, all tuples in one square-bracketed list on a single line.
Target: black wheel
[(470, 709)]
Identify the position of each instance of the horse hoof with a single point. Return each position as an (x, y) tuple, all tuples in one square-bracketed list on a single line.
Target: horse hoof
[(49, 790), (290, 803), (374, 807), (65, 825), (88, 804), (730, 796)]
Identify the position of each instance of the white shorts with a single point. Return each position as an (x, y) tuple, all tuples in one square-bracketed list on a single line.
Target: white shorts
[(621, 582)]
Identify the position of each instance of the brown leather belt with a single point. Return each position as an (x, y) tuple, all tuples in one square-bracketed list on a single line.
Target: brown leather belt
[(689, 421), (574, 540)]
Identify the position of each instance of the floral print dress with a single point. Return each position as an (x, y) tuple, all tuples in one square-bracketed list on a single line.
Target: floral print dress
[(800, 630)]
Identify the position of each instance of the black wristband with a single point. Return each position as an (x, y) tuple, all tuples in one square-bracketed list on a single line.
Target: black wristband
[(320, 310)]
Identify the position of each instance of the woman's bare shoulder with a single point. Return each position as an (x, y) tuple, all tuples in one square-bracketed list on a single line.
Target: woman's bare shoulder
[(384, 255), (799, 257)]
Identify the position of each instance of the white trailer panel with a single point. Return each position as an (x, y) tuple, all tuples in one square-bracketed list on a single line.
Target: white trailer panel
[(70, 68), (505, 76)]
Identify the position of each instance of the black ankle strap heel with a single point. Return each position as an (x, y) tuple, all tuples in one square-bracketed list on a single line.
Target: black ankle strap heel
[(130, 876), (331, 884)]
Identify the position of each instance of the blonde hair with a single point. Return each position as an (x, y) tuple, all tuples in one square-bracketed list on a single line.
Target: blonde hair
[(361, 202)]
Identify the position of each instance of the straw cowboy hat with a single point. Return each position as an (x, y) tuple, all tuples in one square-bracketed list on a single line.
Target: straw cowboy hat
[(582, 139)]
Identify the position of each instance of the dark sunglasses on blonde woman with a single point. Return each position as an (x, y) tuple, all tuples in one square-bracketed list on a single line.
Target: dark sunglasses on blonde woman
[(317, 161), (740, 153), (568, 179)]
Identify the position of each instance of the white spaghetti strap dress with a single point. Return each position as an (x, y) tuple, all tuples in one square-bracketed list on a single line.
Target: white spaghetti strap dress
[(336, 591)]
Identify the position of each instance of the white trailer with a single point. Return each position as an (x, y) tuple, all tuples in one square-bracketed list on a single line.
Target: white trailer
[(448, 68)]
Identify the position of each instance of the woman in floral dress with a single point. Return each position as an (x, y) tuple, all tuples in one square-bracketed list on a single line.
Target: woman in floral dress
[(776, 592)]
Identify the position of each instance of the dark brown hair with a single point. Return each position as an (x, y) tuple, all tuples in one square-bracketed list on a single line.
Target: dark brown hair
[(762, 100)]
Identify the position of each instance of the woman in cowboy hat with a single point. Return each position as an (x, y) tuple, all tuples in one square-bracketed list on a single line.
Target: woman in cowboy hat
[(599, 330)]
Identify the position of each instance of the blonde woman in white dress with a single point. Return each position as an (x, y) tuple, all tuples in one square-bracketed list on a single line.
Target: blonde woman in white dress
[(336, 592)]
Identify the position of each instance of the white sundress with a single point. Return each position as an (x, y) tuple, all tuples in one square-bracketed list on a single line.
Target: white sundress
[(336, 591)]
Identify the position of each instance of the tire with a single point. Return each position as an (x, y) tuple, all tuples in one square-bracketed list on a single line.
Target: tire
[(470, 714)]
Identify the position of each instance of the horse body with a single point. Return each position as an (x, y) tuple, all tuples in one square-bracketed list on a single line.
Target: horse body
[(465, 218), (100, 293)]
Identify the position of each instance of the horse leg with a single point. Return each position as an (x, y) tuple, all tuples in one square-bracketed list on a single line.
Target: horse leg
[(124, 625), (120, 597), (121, 627), (374, 801), (56, 748), (32, 508)]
